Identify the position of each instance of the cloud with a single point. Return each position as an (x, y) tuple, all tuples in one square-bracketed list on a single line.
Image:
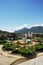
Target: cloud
[(27, 26), (9, 29), (22, 26), (38, 25), (12, 28)]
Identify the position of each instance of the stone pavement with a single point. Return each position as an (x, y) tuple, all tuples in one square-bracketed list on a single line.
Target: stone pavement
[(36, 61)]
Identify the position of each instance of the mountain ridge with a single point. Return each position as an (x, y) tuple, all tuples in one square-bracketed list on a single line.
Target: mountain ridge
[(35, 29)]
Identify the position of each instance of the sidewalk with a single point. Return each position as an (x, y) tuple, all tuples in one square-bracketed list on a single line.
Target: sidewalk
[(35, 61)]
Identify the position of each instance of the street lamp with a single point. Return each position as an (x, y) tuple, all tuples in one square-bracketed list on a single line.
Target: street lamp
[(32, 54)]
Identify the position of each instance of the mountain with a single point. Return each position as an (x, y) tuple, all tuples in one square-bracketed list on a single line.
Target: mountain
[(37, 29), (21, 31)]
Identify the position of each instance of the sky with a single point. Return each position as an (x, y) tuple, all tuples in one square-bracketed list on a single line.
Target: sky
[(16, 14)]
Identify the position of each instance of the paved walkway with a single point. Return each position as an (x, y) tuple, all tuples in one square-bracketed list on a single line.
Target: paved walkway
[(36, 61), (7, 59)]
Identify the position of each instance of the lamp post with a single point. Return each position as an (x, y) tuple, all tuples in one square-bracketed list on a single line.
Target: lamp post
[(32, 54), (34, 59)]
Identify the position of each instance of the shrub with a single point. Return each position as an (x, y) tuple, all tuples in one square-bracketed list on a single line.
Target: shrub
[(2, 42), (28, 51), (38, 47), (8, 47)]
